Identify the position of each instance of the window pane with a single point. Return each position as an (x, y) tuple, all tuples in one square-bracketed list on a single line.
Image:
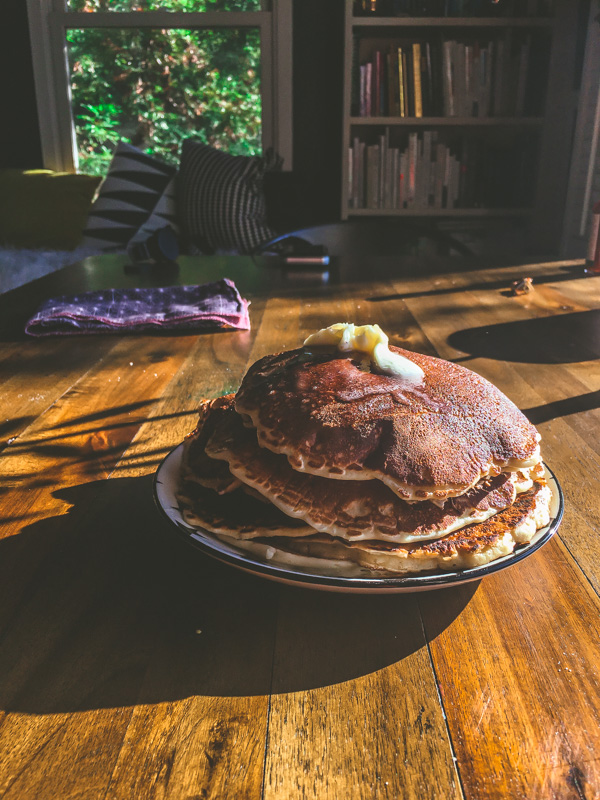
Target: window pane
[(165, 5), (154, 88)]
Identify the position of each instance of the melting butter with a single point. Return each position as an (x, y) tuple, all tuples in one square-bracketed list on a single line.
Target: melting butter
[(369, 339)]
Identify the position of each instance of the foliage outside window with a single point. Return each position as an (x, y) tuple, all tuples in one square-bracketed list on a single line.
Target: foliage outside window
[(155, 88), (155, 72)]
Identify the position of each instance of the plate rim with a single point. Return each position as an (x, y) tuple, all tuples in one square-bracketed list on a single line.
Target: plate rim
[(390, 583)]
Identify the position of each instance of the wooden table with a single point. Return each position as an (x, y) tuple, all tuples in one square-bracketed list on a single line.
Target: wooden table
[(133, 667)]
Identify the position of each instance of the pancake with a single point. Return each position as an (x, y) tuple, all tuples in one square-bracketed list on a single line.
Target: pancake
[(351, 510), (473, 546), (195, 465), (237, 514), (333, 416)]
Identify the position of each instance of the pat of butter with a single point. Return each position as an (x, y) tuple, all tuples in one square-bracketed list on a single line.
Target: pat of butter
[(369, 339)]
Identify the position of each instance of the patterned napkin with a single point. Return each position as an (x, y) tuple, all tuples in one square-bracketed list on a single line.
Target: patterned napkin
[(210, 306)]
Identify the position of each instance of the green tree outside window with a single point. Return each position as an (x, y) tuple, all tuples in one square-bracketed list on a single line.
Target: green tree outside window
[(154, 87)]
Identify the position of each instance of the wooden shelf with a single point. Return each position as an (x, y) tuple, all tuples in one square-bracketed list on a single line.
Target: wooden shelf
[(453, 22), (435, 122), (439, 212), (541, 139)]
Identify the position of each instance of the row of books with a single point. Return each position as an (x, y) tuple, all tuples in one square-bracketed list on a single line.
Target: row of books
[(455, 8), (429, 173), (450, 78)]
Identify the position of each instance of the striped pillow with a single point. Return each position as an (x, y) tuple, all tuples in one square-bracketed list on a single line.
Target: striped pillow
[(136, 197), (220, 198)]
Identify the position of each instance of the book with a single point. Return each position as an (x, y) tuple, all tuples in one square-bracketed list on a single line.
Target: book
[(416, 75), (392, 84), (448, 78), (382, 170), (372, 176), (406, 79), (350, 186), (376, 110), (440, 172), (411, 177), (459, 71), (402, 180), (368, 89), (401, 81), (427, 80), (425, 168)]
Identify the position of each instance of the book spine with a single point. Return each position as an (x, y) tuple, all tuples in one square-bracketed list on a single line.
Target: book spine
[(460, 83), (432, 160), (372, 176), (427, 76), (350, 183), (355, 101), (392, 84), (404, 179), (426, 168), (401, 94), (362, 168), (440, 173), (382, 170), (411, 184), (448, 87), (379, 85), (417, 85), (395, 177), (363, 92), (355, 203), (408, 82)]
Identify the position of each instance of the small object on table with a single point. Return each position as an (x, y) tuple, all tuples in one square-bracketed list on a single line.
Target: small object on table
[(206, 307), (522, 286), (161, 248)]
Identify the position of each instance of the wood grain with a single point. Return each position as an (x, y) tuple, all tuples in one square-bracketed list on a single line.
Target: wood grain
[(132, 666)]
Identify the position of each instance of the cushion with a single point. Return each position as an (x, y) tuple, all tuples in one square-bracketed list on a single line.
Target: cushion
[(220, 198), (138, 191), (44, 209)]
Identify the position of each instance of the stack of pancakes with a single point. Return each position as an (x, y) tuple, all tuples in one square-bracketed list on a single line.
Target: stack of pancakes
[(322, 459)]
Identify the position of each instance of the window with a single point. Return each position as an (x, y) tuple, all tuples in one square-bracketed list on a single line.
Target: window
[(154, 72)]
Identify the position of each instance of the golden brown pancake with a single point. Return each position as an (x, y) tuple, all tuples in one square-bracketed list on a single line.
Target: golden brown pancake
[(332, 416), (473, 546), (351, 510)]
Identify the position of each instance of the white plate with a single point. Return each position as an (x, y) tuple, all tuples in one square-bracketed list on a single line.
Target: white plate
[(311, 574)]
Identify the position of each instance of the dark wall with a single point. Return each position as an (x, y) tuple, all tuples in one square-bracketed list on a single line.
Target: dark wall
[(313, 190), (19, 132)]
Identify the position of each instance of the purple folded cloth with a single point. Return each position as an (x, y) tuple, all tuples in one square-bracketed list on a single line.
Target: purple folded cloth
[(212, 305)]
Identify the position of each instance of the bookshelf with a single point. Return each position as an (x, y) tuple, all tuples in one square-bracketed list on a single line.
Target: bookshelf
[(460, 117)]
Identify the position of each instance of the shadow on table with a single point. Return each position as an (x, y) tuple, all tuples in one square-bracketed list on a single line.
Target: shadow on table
[(105, 606), (559, 339), (565, 273)]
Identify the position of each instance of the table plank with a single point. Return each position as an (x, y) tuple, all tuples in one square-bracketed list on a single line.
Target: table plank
[(355, 707), (514, 667)]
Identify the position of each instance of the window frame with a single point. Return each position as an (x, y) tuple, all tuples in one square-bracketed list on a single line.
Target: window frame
[(49, 20)]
